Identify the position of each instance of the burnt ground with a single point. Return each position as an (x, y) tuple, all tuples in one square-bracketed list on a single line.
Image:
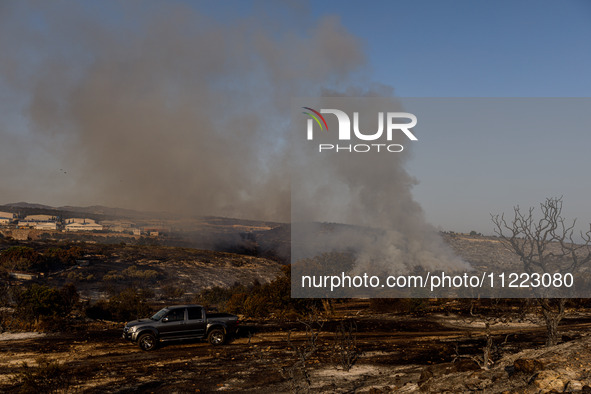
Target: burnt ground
[(434, 353)]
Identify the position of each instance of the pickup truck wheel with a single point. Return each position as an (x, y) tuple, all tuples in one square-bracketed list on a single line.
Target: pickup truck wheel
[(216, 337), (147, 342)]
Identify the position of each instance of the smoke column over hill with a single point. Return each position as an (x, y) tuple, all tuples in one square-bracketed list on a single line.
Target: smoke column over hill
[(163, 107), (370, 192)]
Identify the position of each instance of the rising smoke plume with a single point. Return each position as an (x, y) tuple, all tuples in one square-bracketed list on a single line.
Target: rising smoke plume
[(370, 193), (159, 106)]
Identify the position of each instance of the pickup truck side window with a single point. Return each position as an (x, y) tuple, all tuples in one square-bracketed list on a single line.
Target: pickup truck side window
[(176, 315), (195, 313)]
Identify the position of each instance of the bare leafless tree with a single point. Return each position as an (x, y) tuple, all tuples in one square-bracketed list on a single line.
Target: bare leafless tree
[(545, 245), (298, 374)]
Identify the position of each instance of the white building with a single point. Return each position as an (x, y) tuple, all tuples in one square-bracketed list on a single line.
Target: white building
[(40, 218), (39, 222), (79, 220), (4, 221), (6, 215), (84, 226), (45, 226), (37, 225), (25, 223)]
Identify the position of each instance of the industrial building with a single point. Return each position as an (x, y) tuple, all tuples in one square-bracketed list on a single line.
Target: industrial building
[(82, 224)]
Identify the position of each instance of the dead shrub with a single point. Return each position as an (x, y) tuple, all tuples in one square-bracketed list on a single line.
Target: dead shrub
[(297, 373), (345, 350)]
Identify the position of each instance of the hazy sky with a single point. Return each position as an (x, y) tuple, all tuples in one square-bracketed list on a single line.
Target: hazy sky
[(151, 105)]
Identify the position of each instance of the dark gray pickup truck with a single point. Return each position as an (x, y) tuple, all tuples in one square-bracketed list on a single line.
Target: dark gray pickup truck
[(181, 322)]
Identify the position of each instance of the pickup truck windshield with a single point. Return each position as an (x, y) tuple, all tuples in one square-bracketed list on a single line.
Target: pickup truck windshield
[(158, 315)]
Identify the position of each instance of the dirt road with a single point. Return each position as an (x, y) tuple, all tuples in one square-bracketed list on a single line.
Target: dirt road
[(394, 353)]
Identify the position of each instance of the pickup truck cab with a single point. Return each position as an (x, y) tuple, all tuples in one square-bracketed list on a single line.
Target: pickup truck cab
[(180, 322)]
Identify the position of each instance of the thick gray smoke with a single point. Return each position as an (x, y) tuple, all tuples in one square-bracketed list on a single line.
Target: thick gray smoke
[(369, 192), (158, 107)]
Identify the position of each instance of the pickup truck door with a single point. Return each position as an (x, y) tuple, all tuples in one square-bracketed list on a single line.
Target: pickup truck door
[(173, 325), (196, 322)]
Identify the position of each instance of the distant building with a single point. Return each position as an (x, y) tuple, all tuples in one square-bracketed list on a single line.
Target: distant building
[(45, 226), (85, 225), (40, 218), (6, 218), (6, 215), (153, 232), (39, 222), (25, 223), (79, 220)]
